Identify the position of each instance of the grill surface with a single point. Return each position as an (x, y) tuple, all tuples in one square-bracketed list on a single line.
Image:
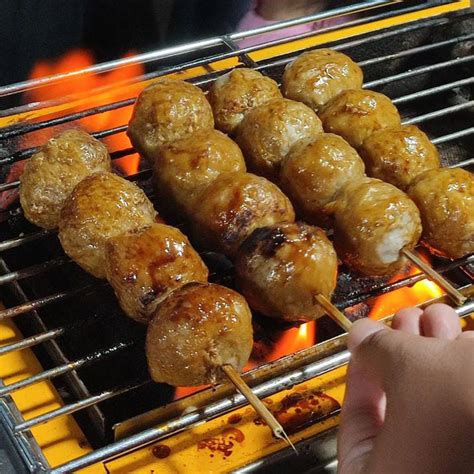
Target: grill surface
[(73, 320)]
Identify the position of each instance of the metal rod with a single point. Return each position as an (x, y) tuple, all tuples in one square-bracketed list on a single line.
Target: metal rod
[(433, 275), (62, 369), (17, 241), (418, 71), (463, 164), (74, 407), (439, 113), (216, 409), (433, 90), (453, 136), (257, 404), (33, 270), (31, 341)]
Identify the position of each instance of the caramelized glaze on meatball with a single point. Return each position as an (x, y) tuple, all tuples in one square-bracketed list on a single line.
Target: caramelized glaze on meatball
[(236, 93), (445, 198), (187, 166), (145, 265), (269, 131), (51, 174), (374, 221), (281, 268), (356, 114), (234, 205), (166, 110), (315, 77), (101, 206), (315, 171), (398, 155), (195, 331)]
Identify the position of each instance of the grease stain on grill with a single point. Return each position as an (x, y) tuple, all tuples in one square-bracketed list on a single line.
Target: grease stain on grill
[(223, 443), (301, 409), (161, 451), (234, 419)]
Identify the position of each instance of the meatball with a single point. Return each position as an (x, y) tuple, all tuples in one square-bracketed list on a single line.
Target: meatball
[(235, 93), (51, 174), (187, 166), (195, 331), (269, 131), (445, 198), (315, 171), (398, 155), (101, 206), (356, 114), (234, 206), (166, 110), (281, 268), (374, 221), (315, 77), (145, 265)]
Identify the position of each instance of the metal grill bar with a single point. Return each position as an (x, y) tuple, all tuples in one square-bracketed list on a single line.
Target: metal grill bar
[(218, 408), (62, 369), (33, 270), (31, 341), (440, 113), (18, 241), (75, 407), (453, 136)]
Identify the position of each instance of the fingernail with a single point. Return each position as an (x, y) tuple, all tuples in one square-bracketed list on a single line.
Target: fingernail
[(362, 329)]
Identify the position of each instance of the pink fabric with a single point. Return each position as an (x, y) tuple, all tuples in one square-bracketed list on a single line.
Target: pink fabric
[(252, 20)]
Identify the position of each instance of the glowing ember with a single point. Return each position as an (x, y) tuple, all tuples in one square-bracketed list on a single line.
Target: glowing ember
[(405, 297), (87, 83)]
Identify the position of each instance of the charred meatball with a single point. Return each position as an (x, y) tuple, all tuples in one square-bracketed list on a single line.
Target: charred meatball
[(315, 171), (269, 131), (145, 265), (398, 155), (356, 114), (51, 174), (236, 93), (101, 206), (228, 211), (187, 166), (197, 330), (167, 110), (315, 77), (374, 221), (445, 198), (281, 268)]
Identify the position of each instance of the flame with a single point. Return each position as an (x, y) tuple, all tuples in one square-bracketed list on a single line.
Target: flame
[(291, 340), (87, 84), (406, 297)]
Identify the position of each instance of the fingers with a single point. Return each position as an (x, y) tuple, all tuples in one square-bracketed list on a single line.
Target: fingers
[(408, 320), (440, 321)]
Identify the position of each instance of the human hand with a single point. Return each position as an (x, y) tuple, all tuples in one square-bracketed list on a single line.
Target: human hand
[(409, 404)]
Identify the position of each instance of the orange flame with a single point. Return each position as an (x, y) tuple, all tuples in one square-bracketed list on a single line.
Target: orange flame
[(406, 297), (88, 83)]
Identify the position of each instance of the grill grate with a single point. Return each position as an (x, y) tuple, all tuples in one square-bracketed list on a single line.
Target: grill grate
[(419, 71)]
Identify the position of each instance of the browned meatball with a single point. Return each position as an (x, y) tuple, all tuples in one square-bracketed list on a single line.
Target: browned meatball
[(166, 110), (315, 77), (101, 206), (51, 174), (145, 265), (282, 268), (236, 93), (445, 198), (269, 131), (228, 211), (197, 330), (375, 221), (398, 155), (187, 166), (315, 171), (356, 114)]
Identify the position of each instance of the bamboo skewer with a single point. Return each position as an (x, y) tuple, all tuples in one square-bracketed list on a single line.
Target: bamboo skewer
[(433, 275), (338, 316), (257, 404)]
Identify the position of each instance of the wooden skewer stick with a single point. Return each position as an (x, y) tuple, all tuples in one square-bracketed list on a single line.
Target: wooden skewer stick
[(257, 404), (432, 274), (338, 316)]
